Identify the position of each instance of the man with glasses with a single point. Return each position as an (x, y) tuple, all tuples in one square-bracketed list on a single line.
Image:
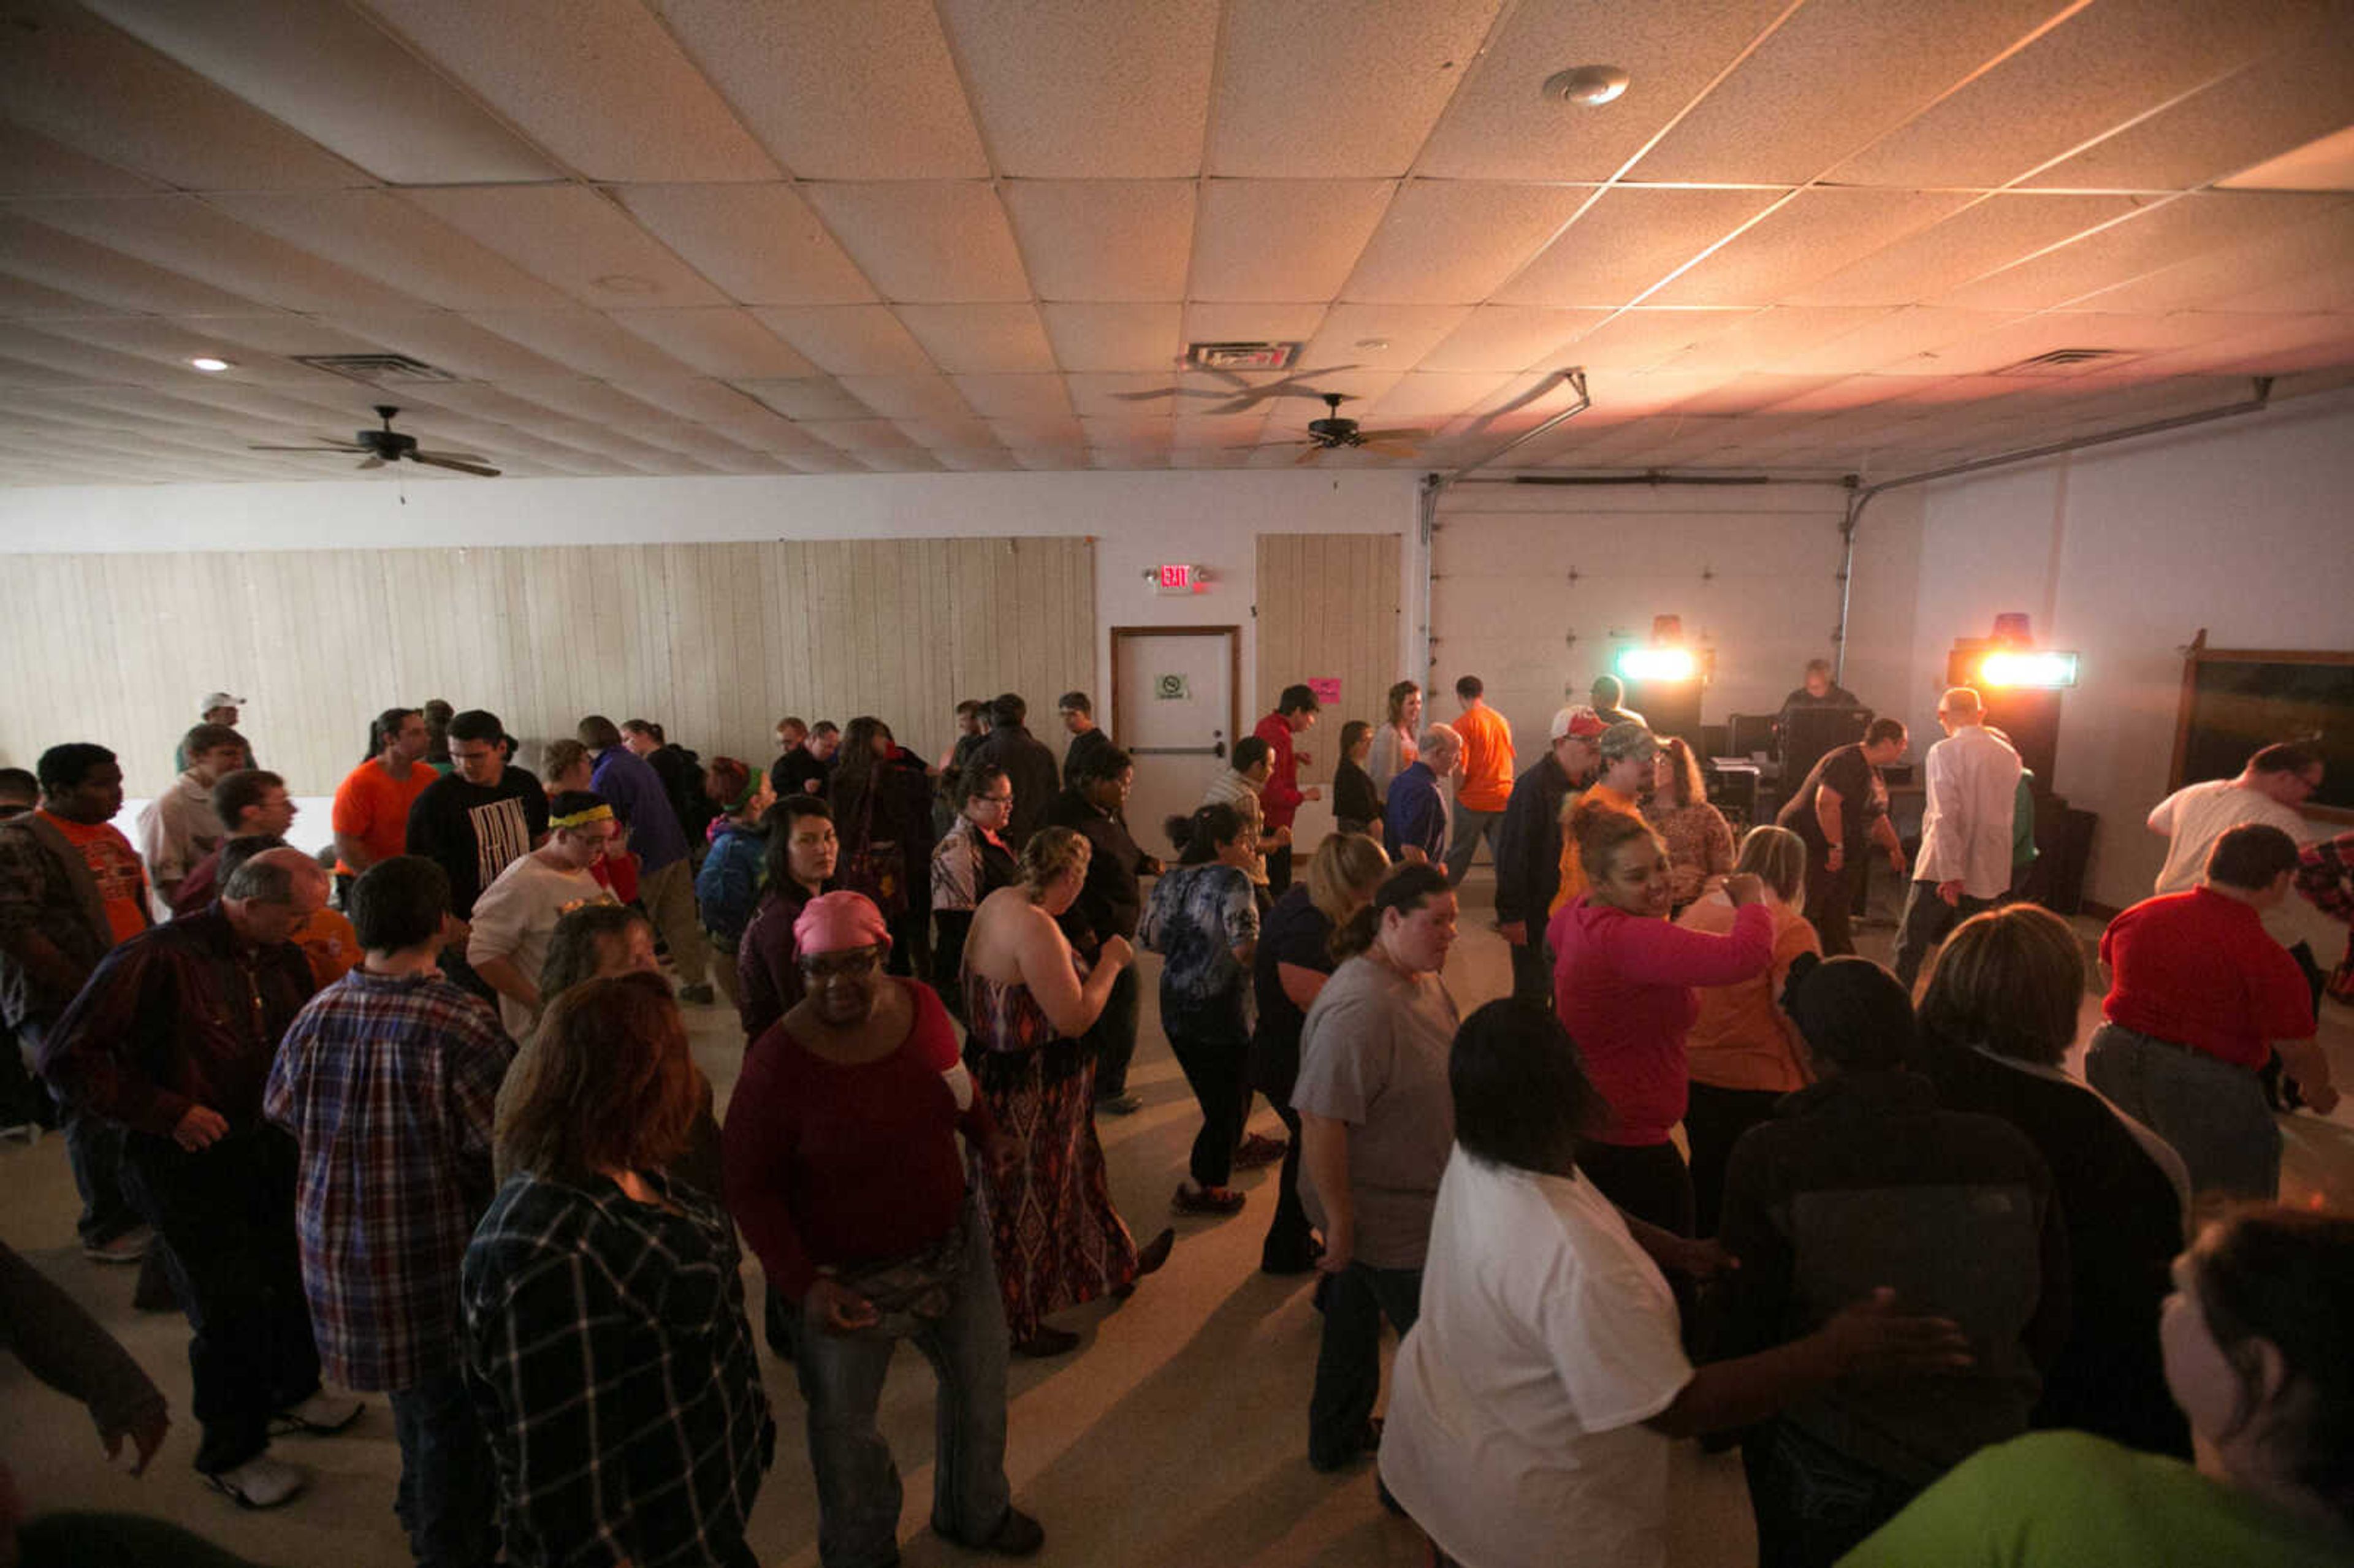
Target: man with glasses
[(1109, 905), (475, 822), (1965, 861), (970, 862), (1088, 738)]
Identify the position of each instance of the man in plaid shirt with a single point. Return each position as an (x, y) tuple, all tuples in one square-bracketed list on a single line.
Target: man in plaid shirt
[(386, 1080)]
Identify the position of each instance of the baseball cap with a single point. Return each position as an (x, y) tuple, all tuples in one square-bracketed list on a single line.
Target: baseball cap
[(218, 700), (1628, 740), (1577, 720)]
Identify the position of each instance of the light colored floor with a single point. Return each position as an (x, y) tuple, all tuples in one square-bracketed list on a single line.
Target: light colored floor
[(1174, 1436)]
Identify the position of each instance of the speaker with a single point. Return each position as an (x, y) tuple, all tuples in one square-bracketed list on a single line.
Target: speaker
[(2031, 716), (1807, 733)]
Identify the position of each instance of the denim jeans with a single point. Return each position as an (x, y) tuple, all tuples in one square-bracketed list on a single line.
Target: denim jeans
[(1112, 1036), (842, 1381), (448, 1499), (1469, 827), (1349, 1361), (94, 1151), (1925, 921), (2210, 1111)]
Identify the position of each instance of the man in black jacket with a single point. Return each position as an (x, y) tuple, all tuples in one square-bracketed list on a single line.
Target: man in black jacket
[(1109, 905), (1027, 763), (1528, 847)]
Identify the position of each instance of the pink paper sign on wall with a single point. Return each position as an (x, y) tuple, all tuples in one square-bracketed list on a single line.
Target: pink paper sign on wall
[(1326, 687)]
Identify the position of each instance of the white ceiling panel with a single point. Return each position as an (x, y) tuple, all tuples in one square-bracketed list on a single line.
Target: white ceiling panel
[(980, 340), (837, 92), (1986, 352), (1337, 88), (1100, 396), (31, 165), (859, 435), (328, 72), (1104, 240), (2084, 78), (1080, 89), (807, 401), (21, 298), (1455, 241), (379, 236), (1647, 336), (1016, 396), (1115, 338), (2316, 293), (591, 400), (274, 331), (1500, 125), (1866, 66), (760, 243), (1252, 322), (573, 238), (731, 411), (910, 397), (943, 436), (1887, 338), (935, 242), (1752, 393), (1131, 433), (1757, 343), (2322, 243), (583, 341), (1628, 241), (2162, 236), (1423, 395), (848, 340), (172, 345), (1807, 237), (1383, 337), (1500, 339), (983, 460), (78, 266), (1034, 432), (1282, 239), (450, 343), (598, 83), (2323, 165), (725, 341), (182, 235), (1980, 239)]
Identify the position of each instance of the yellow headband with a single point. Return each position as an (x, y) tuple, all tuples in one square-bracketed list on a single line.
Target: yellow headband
[(596, 813)]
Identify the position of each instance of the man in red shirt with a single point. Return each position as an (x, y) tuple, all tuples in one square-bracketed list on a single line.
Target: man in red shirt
[(1280, 797), (2199, 994), (370, 816)]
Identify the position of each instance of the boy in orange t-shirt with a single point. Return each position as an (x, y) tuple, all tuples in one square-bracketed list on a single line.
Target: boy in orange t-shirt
[(1485, 774)]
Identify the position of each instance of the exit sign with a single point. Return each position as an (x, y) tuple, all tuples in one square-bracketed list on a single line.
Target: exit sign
[(1177, 577)]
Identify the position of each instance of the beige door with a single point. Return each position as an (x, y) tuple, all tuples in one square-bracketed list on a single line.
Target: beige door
[(1174, 712)]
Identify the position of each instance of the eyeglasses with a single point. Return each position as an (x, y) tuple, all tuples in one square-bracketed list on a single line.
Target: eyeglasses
[(847, 965), (1005, 800)]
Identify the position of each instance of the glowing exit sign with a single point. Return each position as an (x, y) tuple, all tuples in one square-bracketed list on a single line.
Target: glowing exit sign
[(1177, 576)]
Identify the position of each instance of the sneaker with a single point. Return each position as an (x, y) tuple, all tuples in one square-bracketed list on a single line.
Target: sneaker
[(1016, 1535), (260, 1482), (321, 1416), (1119, 1105), (129, 1247), (1259, 1150)]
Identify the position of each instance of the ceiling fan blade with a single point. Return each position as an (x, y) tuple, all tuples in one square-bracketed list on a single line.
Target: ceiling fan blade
[(371, 460), (436, 460), (1406, 432), (325, 445), (1315, 450), (456, 457)]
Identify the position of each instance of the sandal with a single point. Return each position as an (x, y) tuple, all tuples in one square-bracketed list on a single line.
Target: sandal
[(1207, 1200)]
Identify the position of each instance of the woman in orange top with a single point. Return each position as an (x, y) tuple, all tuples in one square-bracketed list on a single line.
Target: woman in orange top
[(1627, 751), (1743, 1052)]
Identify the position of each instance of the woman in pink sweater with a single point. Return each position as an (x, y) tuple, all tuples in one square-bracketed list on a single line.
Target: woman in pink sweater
[(1623, 979)]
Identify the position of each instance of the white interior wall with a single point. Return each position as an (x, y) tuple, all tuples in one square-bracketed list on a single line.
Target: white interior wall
[(2122, 553)]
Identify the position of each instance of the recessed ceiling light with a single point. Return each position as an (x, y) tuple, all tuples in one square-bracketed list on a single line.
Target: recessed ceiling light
[(1589, 85), (209, 365), (1373, 344), (626, 283)]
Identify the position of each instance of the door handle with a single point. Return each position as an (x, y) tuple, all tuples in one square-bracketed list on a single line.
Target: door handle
[(1218, 749)]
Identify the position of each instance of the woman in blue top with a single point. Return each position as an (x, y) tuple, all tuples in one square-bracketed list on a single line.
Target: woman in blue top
[(1203, 921), (727, 885)]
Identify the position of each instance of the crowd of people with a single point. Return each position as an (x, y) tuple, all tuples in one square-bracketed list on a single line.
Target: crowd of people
[(418, 1117)]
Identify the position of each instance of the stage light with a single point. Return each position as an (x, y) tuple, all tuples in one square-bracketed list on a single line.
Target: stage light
[(1657, 664), (2042, 669)]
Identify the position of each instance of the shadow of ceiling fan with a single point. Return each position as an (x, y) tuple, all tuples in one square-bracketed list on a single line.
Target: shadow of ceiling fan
[(376, 448)]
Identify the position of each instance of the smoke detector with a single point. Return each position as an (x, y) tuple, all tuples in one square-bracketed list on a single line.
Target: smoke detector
[(1589, 86)]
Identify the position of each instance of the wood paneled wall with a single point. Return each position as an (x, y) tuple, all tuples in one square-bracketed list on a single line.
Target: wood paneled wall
[(1328, 604), (713, 641)]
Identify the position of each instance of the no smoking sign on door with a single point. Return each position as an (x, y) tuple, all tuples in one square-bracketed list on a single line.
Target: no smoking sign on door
[(1171, 688)]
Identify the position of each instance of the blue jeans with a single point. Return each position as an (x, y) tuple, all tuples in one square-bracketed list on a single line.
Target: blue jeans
[(1349, 1361), (448, 1499), (842, 1381), (2212, 1112), (1924, 924), (1470, 826), (94, 1151)]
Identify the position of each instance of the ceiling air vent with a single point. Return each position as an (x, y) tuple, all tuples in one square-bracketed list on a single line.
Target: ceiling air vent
[(2066, 362), (1243, 356), (376, 369)]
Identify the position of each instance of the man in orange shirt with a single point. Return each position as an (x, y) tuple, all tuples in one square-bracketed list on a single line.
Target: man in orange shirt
[(1627, 751), (371, 812), (1486, 786)]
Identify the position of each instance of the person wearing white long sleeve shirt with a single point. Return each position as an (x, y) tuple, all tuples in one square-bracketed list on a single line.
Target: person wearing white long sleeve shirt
[(1965, 861)]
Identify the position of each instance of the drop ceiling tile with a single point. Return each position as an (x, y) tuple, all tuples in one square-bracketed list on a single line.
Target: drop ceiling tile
[(1985, 352), (2327, 164), (83, 361), (73, 77), (1104, 240), (760, 243), (587, 400), (936, 241), (329, 73), (2100, 68), (1628, 241), (1111, 395), (583, 341), (1282, 239), (171, 345), (2312, 294), (848, 340), (379, 236), (16, 371), (20, 297), (1115, 338), (32, 165), (1830, 80), (573, 238), (1758, 343), (1031, 433), (807, 399), (2161, 236), (1886, 339), (981, 460), (1747, 394), (273, 332), (734, 413), (837, 92), (859, 435), (723, 340), (1501, 339), (1456, 241), (1844, 394), (1980, 239), (942, 436), (909, 459), (1015, 396), (184, 235), (1252, 322), (980, 340), (1080, 89), (2298, 93), (1337, 88), (1410, 332), (598, 83), (1051, 460), (1423, 395), (1217, 433), (1501, 127), (1647, 336), (1808, 238), (68, 262), (449, 343), (2283, 255), (910, 397), (1129, 432)]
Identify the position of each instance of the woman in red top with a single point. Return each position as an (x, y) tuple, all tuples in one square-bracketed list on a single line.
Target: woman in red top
[(1623, 979), (844, 1171)]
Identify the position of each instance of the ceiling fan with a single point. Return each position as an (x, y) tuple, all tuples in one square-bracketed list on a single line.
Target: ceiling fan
[(379, 447), (1240, 397), (1332, 433)]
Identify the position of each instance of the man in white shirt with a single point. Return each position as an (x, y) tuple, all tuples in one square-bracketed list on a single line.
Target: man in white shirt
[(1965, 861), (179, 826), (516, 917)]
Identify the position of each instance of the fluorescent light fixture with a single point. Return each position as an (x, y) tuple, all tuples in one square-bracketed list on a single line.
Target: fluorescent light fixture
[(1657, 664), (209, 365), (2015, 667)]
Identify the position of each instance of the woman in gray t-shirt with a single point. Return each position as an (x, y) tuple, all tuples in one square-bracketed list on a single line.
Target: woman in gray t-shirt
[(1377, 1125)]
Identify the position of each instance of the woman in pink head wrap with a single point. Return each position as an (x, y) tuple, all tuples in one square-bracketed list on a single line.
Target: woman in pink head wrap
[(844, 1174)]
